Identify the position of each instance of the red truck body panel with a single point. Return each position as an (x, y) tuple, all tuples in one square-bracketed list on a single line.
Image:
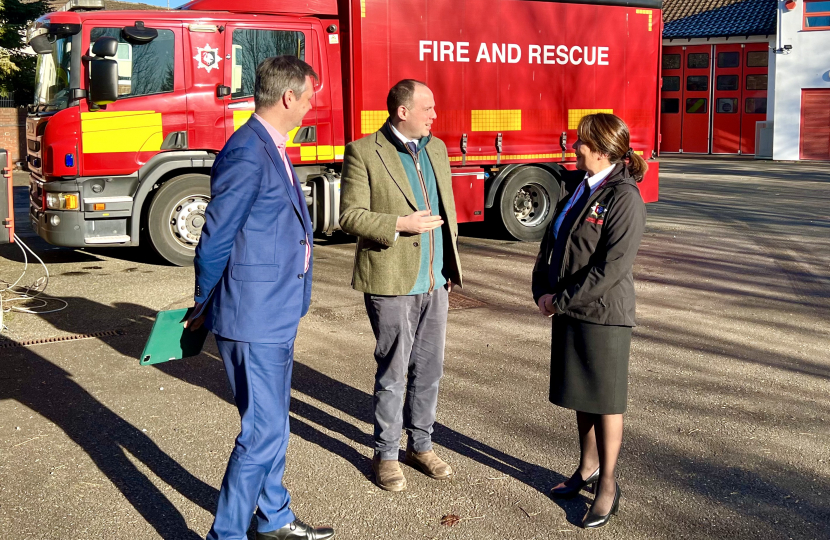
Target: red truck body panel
[(527, 70)]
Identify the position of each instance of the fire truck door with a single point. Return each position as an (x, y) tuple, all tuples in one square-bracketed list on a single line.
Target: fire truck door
[(248, 45), (204, 60), (150, 106)]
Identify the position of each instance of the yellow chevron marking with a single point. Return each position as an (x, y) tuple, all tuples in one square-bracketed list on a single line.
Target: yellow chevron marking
[(240, 117), (121, 131), (515, 156), (650, 16), (371, 121), (322, 152), (362, 8), (496, 120), (575, 115)]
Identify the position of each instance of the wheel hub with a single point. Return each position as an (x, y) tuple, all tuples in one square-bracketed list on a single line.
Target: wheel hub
[(531, 204), (187, 219)]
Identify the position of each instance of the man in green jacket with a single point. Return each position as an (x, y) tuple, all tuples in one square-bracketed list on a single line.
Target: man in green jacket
[(397, 199)]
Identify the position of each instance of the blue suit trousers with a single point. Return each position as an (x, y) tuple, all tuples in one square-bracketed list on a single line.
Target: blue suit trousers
[(260, 379)]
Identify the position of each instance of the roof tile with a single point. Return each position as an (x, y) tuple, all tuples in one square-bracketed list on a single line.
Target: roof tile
[(718, 18)]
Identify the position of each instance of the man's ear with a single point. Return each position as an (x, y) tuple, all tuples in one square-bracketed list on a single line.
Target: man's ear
[(402, 112), (288, 97)]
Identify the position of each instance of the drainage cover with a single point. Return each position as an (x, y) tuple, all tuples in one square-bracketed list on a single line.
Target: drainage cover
[(459, 301), (74, 337)]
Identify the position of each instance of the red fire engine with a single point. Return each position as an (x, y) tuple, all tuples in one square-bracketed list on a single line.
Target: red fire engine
[(132, 106)]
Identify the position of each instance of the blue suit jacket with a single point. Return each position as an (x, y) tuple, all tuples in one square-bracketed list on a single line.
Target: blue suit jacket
[(250, 259)]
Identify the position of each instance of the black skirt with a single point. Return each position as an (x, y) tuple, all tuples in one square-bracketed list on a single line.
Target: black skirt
[(589, 366)]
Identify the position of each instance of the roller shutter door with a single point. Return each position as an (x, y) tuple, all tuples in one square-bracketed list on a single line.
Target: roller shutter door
[(815, 124)]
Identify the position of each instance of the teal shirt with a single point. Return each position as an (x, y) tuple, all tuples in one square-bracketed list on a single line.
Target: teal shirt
[(422, 283)]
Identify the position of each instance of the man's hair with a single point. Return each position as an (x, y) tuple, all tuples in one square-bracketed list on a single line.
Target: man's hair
[(401, 94), (278, 74)]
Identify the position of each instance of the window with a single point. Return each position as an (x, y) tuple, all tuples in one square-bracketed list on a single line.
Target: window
[(143, 69), (756, 106), (125, 52), (250, 47), (697, 60), (817, 14), (729, 59), (669, 105), (52, 75), (757, 59), (697, 83), (696, 106), (727, 82), (671, 84), (671, 61), (727, 105), (756, 82)]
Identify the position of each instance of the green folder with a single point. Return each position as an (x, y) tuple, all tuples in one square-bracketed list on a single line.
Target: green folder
[(170, 340)]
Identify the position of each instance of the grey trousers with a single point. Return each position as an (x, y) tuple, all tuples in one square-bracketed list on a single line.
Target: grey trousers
[(410, 332)]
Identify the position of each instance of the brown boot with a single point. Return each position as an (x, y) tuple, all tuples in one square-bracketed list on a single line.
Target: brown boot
[(388, 474), (429, 464)]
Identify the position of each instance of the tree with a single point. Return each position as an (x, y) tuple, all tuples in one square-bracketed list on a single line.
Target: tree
[(17, 68)]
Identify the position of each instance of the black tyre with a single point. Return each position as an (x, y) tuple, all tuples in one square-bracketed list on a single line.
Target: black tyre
[(527, 201), (176, 217)]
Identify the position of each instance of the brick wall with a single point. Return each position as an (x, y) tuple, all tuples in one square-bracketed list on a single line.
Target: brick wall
[(13, 132)]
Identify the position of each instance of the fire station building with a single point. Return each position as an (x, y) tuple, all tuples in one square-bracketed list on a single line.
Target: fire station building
[(746, 77)]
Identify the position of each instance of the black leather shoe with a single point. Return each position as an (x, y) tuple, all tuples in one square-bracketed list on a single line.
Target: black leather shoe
[(297, 530), (593, 521), (564, 491)]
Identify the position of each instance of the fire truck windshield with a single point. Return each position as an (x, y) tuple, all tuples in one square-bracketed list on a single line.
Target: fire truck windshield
[(52, 75)]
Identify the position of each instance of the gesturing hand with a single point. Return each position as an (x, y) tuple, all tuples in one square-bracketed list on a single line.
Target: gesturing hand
[(546, 305), (418, 222)]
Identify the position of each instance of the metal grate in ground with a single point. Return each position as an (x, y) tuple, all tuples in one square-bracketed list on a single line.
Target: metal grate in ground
[(459, 301), (60, 339)]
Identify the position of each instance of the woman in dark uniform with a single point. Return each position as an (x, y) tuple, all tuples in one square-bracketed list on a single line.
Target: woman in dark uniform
[(582, 279)]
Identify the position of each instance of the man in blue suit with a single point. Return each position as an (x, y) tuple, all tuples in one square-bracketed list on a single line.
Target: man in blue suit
[(253, 283)]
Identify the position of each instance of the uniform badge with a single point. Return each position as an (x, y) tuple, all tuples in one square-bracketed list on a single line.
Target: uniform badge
[(597, 214)]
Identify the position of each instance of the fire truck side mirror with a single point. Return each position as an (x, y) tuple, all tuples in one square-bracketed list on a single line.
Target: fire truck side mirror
[(139, 33), (103, 71), (105, 46)]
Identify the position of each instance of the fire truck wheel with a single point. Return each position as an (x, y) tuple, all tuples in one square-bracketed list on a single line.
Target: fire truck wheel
[(526, 202), (177, 215)]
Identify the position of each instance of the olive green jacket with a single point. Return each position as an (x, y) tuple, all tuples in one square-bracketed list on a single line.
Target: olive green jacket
[(375, 191)]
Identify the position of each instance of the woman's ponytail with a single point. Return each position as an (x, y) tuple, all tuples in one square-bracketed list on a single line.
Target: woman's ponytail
[(636, 166)]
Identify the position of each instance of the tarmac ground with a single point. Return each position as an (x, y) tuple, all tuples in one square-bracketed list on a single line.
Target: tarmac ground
[(729, 396)]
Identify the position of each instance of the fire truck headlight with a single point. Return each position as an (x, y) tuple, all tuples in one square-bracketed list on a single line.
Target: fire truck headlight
[(61, 201), (55, 220)]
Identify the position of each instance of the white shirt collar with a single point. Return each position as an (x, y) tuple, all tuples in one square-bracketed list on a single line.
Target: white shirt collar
[(594, 181), (402, 137)]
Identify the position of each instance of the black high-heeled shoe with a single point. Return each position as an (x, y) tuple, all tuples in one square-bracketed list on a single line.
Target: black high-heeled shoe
[(593, 520), (563, 491)]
